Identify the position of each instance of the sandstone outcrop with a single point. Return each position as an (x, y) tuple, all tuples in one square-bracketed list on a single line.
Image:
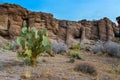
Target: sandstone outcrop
[(74, 32), (12, 17), (102, 29)]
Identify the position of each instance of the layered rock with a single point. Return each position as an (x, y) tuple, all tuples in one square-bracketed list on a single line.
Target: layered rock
[(43, 20), (70, 31), (74, 32), (12, 17), (102, 29)]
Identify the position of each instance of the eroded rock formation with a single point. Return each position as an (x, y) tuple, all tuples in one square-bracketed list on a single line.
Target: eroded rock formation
[(12, 17)]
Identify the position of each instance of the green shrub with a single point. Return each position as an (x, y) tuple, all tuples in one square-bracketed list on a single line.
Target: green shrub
[(76, 54), (9, 46), (77, 46), (32, 43)]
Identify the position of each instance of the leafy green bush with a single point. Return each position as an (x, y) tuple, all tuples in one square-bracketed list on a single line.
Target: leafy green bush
[(77, 46), (32, 43), (75, 54)]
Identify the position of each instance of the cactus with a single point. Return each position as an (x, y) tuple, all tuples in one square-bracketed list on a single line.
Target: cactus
[(32, 43)]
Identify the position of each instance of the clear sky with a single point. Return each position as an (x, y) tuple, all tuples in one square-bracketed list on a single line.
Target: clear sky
[(73, 9)]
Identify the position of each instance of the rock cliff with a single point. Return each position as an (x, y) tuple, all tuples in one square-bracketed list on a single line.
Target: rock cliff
[(12, 17)]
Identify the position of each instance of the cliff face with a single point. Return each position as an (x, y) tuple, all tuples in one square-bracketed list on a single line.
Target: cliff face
[(73, 32), (12, 17), (102, 29)]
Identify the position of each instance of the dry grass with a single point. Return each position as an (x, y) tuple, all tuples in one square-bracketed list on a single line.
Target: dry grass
[(108, 68)]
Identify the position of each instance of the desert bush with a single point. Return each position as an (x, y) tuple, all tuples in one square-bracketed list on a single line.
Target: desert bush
[(59, 47), (86, 68), (32, 43), (86, 44), (98, 47), (76, 55), (76, 47), (112, 48), (109, 47)]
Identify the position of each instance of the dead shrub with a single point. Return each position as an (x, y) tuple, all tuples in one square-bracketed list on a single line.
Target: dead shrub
[(86, 68)]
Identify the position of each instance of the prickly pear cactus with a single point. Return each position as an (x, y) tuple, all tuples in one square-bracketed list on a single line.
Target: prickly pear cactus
[(32, 43)]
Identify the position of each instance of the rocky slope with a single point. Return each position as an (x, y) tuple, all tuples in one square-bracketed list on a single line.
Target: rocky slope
[(12, 17)]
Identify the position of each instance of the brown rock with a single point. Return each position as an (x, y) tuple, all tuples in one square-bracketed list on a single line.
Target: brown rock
[(14, 30), (3, 42), (98, 30), (4, 25)]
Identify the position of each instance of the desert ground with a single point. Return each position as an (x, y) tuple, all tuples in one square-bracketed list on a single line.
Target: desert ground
[(59, 67)]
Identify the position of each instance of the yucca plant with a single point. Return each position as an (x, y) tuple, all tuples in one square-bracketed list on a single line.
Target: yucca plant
[(32, 43)]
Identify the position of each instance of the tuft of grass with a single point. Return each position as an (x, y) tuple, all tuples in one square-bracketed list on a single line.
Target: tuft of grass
[(113, 69), (26, 75), (76, 55)]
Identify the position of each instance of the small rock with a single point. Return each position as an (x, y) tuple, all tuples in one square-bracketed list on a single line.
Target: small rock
[(72, 60)]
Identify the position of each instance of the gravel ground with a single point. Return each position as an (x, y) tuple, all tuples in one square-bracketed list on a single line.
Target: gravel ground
[(55, 68), (49, 68)]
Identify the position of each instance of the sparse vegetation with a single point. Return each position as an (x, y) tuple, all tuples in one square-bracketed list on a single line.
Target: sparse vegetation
[(61, 65)]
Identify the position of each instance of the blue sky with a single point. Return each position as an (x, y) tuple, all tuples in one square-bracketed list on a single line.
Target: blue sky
[(73, 9)]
